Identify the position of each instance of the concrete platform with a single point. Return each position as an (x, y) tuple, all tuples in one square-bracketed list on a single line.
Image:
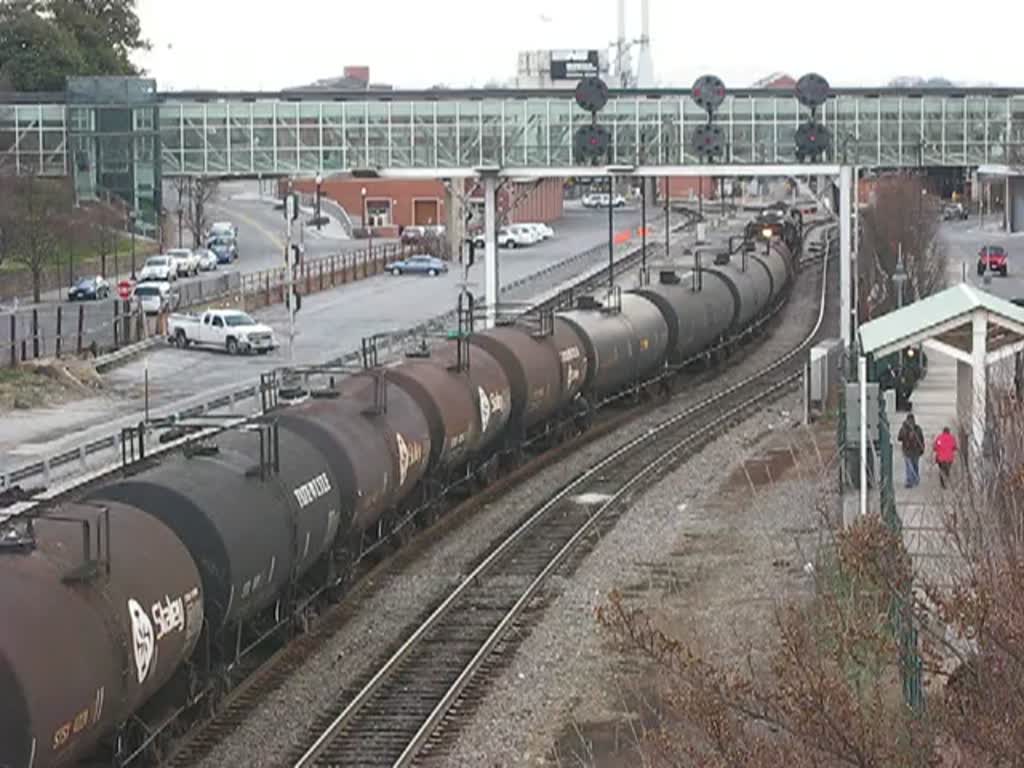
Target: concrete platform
[(923, 509)]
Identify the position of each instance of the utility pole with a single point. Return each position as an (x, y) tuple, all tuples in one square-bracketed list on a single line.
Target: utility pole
[(291, 213)]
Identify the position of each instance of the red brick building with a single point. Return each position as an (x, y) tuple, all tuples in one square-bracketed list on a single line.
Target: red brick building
[(392, 203)]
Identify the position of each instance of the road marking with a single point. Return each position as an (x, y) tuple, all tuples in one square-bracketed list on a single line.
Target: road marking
[(275, 239)]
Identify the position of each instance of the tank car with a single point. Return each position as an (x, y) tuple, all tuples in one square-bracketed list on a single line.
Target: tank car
[(401, 421), (546, 369), (101, 606), (253, 522), (750, 286), (465, 397), (625, 342), (698, 313), (359, 457)]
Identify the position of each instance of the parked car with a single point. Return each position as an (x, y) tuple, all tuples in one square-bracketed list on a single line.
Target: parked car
[(225, 248), (229, 329), (544, 232), (186, 261), (952, 211), (155, 297), (523, 235), (222, 229), (993, 258), (505, 239), (89, 288), (207, 260), (420, 264), (161, 268), (413, 234)]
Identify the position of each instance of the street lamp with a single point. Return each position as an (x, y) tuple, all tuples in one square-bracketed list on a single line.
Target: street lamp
[(899, 277), (366, 221), (319, 181), (132, 216)]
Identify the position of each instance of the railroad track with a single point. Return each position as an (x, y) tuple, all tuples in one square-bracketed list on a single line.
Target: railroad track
[(402, 712), (275, 670)]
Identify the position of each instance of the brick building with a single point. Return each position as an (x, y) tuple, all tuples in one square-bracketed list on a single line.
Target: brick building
[(390, 204)]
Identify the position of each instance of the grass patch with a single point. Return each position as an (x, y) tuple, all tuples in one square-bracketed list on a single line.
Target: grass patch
[(46, 383)]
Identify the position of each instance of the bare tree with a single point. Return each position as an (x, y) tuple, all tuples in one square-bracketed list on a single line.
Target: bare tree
[(830, 689), (37, 219), (903, 219), (199, 193)]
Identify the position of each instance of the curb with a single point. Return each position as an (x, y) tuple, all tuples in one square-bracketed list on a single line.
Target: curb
[(112, 359)]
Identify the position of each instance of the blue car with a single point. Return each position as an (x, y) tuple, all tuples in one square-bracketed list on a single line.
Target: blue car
[(226, 249), (418, 265)]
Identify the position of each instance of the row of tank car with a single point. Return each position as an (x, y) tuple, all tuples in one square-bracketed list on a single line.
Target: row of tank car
[(139, 596)]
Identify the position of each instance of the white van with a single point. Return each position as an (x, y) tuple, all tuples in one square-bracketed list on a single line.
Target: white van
[(154, 297)]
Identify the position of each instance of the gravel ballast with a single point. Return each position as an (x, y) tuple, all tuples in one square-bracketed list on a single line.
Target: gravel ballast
[(399, 599)]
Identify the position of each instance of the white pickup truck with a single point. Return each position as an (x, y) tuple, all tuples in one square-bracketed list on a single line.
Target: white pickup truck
[(228, 329)]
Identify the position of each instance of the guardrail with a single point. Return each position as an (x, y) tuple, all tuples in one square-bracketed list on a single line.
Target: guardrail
[(387, 346)]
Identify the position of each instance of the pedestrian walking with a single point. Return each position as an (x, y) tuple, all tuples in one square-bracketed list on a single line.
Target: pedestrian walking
[(945, 452), (912, 439)]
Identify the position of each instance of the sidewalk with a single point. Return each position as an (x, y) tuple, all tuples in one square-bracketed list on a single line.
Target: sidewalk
[(922, 509)]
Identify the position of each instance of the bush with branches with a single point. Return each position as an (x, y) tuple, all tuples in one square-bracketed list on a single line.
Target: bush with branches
[(829, 690)]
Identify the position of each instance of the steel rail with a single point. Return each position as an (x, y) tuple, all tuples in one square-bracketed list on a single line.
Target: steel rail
[(323, 742)]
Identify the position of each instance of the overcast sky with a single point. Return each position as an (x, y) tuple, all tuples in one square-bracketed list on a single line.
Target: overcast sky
[(251, 44)]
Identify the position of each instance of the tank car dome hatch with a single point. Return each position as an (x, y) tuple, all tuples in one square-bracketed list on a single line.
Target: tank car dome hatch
[(90, 645)]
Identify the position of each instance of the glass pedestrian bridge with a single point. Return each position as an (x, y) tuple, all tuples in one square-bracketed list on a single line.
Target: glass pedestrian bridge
[(123, 135)]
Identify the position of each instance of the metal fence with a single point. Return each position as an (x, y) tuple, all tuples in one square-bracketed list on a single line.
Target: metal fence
[(68, 329), (56, 330), (261, 289)]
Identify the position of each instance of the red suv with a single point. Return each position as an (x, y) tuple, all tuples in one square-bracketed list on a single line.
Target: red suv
[(992, 257)]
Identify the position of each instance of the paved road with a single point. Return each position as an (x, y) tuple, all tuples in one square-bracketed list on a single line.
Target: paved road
[(963, 239), (330, 324)]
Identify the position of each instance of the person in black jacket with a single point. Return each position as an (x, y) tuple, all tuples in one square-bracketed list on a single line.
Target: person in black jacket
[(912, 439)]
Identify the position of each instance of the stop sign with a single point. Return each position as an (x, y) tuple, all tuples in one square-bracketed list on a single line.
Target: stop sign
[(124, 289)]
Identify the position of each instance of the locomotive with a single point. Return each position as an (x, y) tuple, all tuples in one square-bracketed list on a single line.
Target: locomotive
[(139, 595)]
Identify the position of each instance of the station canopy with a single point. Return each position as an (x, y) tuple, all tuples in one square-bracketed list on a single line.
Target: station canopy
[(946, 320)]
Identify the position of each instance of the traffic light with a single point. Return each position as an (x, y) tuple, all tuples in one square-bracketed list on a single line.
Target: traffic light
[(298, 301), (296, 254), (471, 258)]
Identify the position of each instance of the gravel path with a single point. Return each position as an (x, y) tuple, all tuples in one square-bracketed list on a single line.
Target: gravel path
[(401, 598)]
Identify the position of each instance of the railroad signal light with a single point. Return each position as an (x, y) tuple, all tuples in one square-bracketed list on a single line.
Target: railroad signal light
[(592, 142), (592, 94), (708, 93)]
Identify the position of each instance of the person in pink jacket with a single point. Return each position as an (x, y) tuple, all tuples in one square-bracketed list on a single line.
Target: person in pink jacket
[(945, 453)]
